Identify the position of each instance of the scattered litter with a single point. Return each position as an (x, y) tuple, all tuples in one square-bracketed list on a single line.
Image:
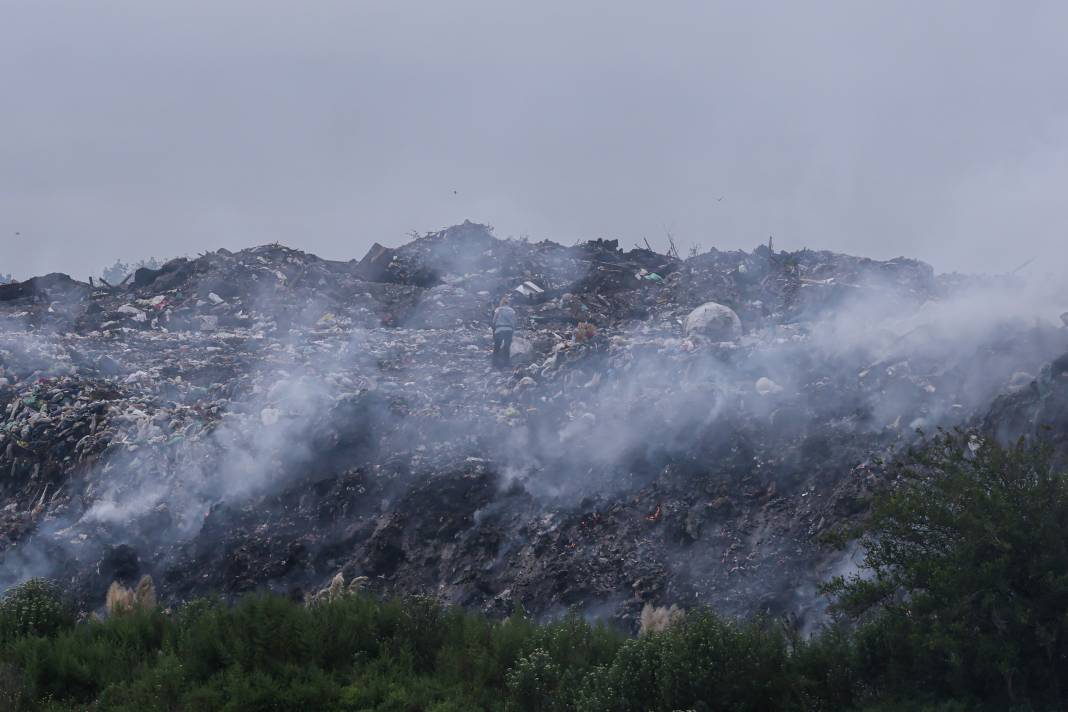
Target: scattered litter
[(529, 289), (266, 418)]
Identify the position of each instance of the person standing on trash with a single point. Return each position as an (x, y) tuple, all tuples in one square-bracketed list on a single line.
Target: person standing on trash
[(503, 326)]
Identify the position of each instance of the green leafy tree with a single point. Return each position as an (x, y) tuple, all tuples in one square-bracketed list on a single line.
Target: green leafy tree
[(534, 680), (968, 588), (34, 607), (703, 662)]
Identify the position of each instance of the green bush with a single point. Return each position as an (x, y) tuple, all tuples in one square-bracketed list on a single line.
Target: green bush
[(534, 681), (704, 662), (966, 589), (34, 607)]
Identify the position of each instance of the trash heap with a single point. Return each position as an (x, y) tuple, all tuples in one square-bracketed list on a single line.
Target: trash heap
[(671, 431)]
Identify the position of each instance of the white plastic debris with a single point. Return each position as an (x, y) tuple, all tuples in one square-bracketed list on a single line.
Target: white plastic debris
[(765, 386), (714, 321), (529, 289), (521, 346), (132, 312)]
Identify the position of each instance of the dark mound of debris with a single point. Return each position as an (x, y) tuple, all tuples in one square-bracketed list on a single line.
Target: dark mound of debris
[(670, 431)]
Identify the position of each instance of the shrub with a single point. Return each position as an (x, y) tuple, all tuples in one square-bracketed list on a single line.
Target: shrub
[(968, 586), (10, 688), (34, 607), (534, 681), (701, 662)]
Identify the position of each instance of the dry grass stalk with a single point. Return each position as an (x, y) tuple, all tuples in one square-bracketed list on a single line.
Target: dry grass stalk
[(656, 619)]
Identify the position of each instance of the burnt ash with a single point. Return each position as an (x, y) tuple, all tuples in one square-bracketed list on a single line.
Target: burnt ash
[(266, 418)]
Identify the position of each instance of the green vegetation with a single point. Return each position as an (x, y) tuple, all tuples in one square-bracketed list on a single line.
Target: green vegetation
[(964, 605), (34, 608), (968, 555)]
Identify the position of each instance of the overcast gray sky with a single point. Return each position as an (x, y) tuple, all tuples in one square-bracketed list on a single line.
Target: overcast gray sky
[(930, 129)]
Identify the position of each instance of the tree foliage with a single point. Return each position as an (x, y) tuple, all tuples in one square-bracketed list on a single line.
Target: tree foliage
[(34, 607), (966, 581)]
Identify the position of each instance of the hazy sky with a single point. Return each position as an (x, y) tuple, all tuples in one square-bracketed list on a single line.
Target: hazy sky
[(148, 127)]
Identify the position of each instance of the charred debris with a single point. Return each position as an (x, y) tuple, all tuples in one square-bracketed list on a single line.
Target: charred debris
[(672, 431)]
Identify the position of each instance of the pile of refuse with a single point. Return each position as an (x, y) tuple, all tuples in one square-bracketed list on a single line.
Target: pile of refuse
[(670, 431)]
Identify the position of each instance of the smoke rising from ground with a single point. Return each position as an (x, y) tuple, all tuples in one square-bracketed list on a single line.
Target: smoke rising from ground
[(309, 396)]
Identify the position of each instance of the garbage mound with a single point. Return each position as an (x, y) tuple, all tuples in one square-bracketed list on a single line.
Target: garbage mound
[(267, 419)]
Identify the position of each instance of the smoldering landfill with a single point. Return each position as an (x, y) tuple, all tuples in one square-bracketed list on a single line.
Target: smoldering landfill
[(670, 431)]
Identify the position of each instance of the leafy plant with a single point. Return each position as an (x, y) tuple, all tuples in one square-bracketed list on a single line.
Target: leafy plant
[(966, 588), (34, 607)]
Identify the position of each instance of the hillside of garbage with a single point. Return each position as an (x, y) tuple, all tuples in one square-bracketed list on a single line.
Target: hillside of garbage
[(670, 431)]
